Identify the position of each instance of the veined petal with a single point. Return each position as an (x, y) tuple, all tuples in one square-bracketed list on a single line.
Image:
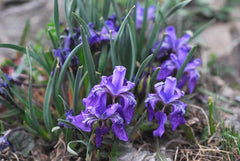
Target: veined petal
[(79, 122), (193, 64), (177, 116), (99, 135), (150, 103), (162, 119), (194, 76), (110, 110), (97, 98), (128, 102), (120, 132), (167, 69)]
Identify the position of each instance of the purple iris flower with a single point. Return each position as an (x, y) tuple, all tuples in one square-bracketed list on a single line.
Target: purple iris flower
[(87, 118), (171, 44), (108, 31), (110, 100), (118, 88), (94, 38), (140, 14), (168, 94), (190, 75)]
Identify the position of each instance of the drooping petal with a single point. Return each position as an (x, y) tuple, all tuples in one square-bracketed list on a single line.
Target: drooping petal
[(177, 116), (110, 110), (162, 119), (151, 12), (194, 76), (99, 135), (83, 121), (167, 69), (111, 29), (150, 103), (119, 131), (128, 102), (193, 64), (97, 98), (183, 80)]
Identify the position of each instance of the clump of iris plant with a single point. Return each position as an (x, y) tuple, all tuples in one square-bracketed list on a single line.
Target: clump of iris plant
[(167, 94), (172, 54), (109, 100)]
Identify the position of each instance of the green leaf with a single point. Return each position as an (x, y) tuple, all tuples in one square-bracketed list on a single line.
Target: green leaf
[(106, 7), (65, 67), (154, 76), (103, 59), (116, 9), (15, 47), (141, 69), (165, 6), (133, 58), (30, 105), (211, 121), (89, 60), (70, 150), (9, 113), (56, 21), (67, 17), (177, 7), (47, 117), (83, 24), (82, 11), (76, 96), (25, 32), (201, 29), (188, 58)]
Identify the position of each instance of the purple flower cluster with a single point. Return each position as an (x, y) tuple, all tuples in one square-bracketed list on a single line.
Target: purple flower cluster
[(167, 94), (109, 100), (177, 51)]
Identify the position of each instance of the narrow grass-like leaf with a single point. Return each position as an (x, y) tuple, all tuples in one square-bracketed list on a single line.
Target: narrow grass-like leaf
[(154, 77), (123, 24), (47, 117), (106, 8), (144, 24), (188, 58), (9, 113), (82, 11), (15, 47), (82, 23), (65, 66), (133, 57), (177, 7), (211, 123), (116, 9), (139, 122), (89, 60), (159, 155), (103, 59), (56, 21), (52, 39), (201, 29), (30, 105), (70, 150), (67, 17), (24, 34), (76, 95), (165, 6), (141, 69), (66, 106)]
